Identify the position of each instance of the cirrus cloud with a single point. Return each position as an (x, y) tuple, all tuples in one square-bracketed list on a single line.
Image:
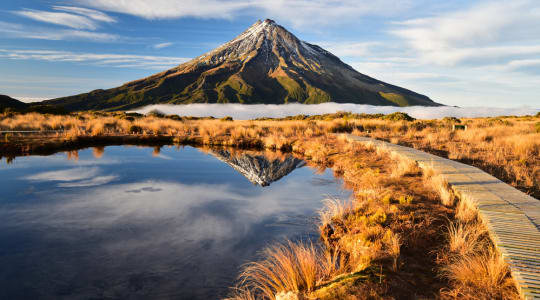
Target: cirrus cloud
[(101, 59), (296, 12), (69, 16)]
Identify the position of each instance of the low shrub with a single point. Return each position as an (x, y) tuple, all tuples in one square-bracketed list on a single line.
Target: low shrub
[(451, 120), (174, 117), (155, 113), (135, 129), (398, 116), (342, 127)]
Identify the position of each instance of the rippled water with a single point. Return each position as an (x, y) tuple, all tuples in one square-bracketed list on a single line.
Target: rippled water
[(138, 223)]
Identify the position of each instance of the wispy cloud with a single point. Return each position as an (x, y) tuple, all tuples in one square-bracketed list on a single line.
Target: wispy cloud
[(98, 180), (28, 32), (90, 13), (75, 177), (114, 60), (59, 18), (296, 12), (162, 45), (73, 17), (73, 174), (484, 33)]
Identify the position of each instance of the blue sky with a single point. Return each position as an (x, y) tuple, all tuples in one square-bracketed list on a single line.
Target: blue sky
[(465, 53)]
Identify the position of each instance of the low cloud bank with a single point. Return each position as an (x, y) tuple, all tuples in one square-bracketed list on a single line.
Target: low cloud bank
[(246, 112)]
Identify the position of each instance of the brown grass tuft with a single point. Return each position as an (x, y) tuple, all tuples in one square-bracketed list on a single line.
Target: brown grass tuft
[(284, 267)]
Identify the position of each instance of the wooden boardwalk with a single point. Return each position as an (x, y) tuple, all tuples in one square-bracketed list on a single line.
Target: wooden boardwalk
[(512, 217)]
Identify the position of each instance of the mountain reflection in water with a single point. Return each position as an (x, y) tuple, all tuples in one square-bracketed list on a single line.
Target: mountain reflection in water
[(257, 168), (128, 225)]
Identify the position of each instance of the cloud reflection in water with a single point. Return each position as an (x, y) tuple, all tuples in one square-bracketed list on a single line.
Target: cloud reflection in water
[(163, 237)]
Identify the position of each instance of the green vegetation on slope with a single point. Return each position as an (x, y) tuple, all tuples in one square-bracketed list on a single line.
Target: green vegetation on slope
[(395, 98)]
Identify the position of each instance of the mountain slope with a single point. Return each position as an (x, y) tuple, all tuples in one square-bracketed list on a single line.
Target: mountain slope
[(264, 64), (8, 102)]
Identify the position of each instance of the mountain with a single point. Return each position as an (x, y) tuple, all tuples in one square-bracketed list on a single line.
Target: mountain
[(264, 64), (257, 168), (8, 102)]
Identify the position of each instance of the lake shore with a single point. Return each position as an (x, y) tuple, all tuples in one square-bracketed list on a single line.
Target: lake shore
[(402, 208)]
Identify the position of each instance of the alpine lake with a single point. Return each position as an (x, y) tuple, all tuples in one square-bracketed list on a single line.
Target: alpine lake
[(129, 222)]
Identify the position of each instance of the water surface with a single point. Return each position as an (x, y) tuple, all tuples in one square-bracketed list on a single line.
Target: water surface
[(137, 223)]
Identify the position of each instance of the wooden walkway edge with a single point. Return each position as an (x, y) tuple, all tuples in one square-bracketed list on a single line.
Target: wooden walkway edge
[(512, 217)]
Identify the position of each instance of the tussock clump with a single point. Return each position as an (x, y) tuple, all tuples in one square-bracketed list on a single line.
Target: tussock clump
[(439, 184), (466, 239), (479, 276), (284, 267)]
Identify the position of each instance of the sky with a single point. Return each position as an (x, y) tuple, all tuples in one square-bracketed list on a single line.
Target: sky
[(461, 53)]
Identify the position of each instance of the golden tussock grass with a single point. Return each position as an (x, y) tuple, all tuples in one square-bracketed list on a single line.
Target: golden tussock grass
[(466, 239), (479, 276), (356, 236), (285, 267), (508, 148), (469, 260), (391, 210)]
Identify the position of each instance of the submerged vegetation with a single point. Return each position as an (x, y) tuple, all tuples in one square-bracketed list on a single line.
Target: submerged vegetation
[(405, 234)]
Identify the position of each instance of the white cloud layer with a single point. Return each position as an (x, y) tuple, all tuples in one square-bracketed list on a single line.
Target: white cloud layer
[(115, 60), (246, 112)]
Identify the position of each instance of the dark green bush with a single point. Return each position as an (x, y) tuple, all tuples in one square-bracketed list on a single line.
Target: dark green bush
[(226, 119), (398, 116), (342, 127), (174, 117), (155, 113), (135, 129), (452, 120), (537, 127)]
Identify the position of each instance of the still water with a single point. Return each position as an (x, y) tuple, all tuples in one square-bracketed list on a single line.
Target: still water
[(142, 223)]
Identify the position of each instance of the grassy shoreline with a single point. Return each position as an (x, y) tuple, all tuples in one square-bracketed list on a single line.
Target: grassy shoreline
[(404, 233), (506, 147)]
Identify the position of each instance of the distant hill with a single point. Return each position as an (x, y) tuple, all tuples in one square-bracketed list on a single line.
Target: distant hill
[(8, 102), (265, 64)]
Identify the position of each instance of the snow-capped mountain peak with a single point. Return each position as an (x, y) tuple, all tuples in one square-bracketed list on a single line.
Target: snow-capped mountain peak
[(264, 64)]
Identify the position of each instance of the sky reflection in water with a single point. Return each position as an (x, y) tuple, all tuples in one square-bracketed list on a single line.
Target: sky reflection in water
[(126, 224)]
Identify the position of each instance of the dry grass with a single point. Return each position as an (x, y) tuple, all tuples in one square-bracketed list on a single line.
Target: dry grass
[(356, 236), (465, 239), (479, 276), (383, 219), (439, 184), (285, 267), (469, 261), (508, 148)]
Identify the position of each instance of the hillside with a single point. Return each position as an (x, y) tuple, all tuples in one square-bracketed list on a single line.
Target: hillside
[(8, 102), (265, 64)]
